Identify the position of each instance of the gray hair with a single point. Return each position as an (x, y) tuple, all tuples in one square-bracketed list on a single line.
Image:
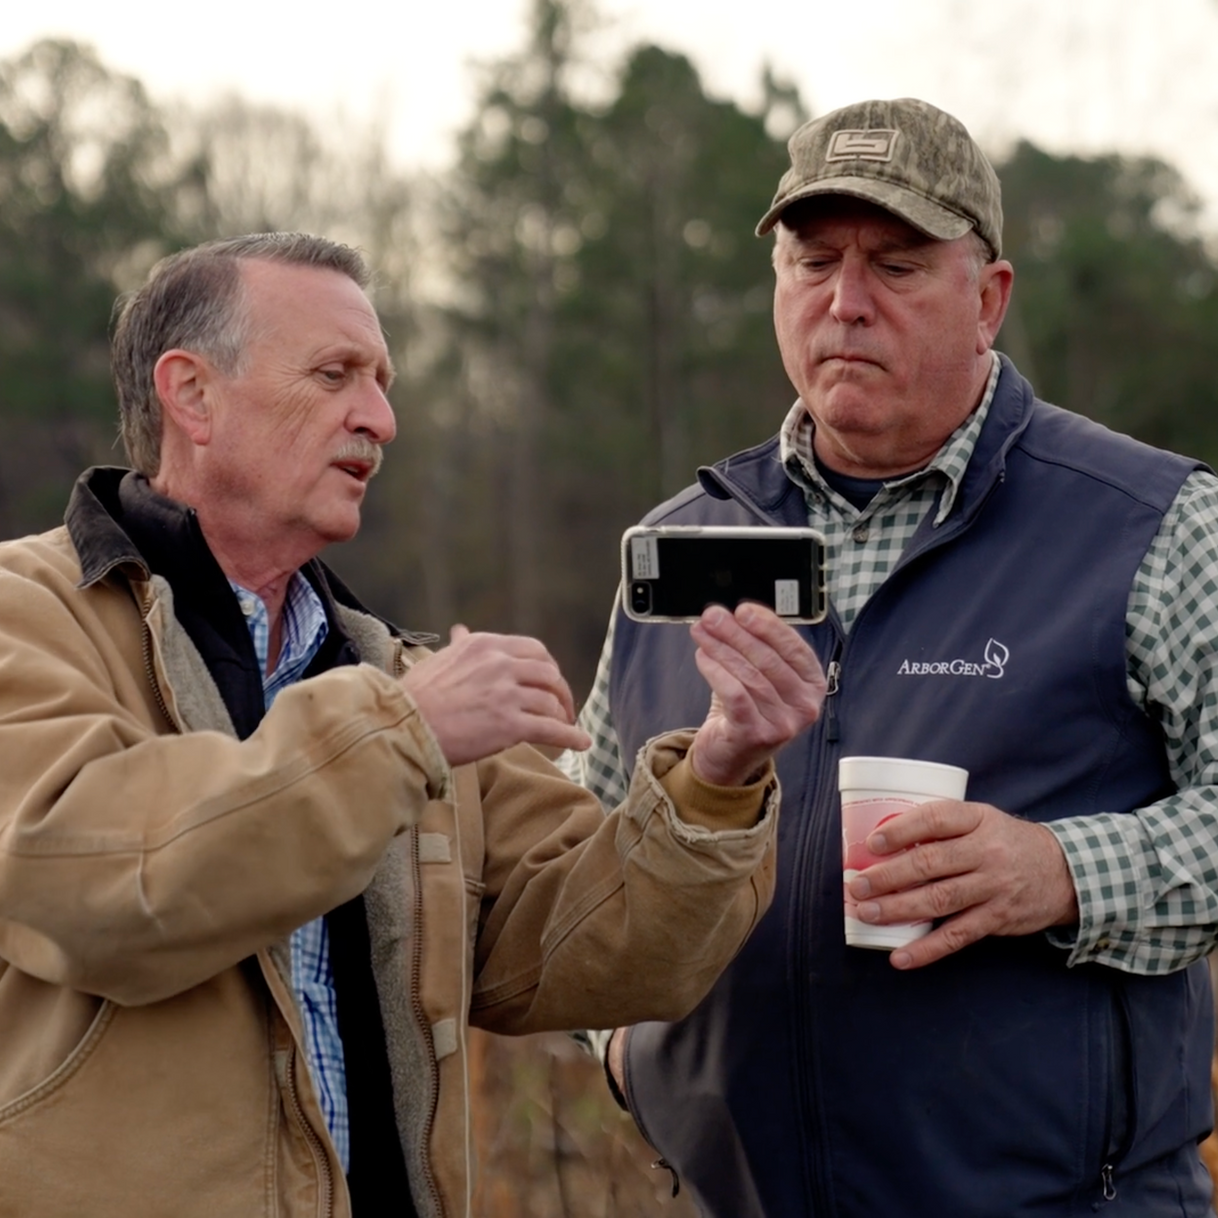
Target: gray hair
[(195, 300)]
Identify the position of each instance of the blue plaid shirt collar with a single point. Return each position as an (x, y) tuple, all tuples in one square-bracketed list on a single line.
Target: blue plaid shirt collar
[(304, 631)]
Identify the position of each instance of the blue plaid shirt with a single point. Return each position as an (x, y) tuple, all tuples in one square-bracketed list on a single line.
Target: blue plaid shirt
[(304, 631)]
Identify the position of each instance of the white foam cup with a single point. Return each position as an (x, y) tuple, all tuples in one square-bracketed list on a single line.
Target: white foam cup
[(874, 789)]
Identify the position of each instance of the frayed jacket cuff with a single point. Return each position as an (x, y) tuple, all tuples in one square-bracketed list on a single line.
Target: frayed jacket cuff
[(697, 810)]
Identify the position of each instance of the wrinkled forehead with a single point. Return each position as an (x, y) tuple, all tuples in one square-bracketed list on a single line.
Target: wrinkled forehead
[(294, 302), (286, 287)]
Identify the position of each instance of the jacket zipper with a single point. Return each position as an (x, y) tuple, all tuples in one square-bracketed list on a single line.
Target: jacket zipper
[(399, 667), (150, 670), (416, 1004), (316, 1145), (289, 1074)]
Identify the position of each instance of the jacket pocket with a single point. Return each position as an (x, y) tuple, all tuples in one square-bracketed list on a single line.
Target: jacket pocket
[(166, 1108), (60, 1076)]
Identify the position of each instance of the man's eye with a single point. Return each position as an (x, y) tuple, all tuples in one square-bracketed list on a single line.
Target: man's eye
[(333, 376)]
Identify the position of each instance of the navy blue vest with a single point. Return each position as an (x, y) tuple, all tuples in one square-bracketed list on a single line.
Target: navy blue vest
[(817, 1080)]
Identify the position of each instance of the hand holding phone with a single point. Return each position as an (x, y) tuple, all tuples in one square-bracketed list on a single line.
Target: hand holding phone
[(767, 685)]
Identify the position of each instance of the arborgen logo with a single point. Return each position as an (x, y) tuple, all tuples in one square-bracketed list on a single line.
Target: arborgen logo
[(996, 657)]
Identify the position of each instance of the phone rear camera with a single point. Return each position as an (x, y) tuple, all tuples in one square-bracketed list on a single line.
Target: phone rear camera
[(640, 597)]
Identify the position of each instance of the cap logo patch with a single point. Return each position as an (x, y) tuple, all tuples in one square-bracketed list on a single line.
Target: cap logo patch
[(861, 145)]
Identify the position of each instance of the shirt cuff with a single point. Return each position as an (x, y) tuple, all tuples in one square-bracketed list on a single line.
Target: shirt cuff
[(712, 807), (1109, 882)]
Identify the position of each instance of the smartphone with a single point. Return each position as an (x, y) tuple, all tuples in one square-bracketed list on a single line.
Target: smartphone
[(671, 573)]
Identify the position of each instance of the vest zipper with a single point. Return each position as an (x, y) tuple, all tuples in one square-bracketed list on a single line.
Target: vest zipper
[(833, 676), (663, 1163), (815, 843)]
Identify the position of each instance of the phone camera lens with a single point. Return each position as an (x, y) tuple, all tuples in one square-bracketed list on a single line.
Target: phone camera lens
[(640, 597)]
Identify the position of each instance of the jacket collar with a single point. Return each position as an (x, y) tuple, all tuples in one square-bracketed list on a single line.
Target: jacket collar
[(116, 520), (93, 522)]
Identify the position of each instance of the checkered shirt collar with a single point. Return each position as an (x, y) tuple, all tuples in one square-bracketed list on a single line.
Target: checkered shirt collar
[(795, 449)]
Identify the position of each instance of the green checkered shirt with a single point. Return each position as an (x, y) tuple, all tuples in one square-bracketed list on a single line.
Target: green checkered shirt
[(1147, 880)]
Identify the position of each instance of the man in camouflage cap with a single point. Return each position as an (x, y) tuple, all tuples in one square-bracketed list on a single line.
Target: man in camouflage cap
[(1014, 590)]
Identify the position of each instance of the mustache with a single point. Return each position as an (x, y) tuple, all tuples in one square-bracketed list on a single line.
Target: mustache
[(360, 448)]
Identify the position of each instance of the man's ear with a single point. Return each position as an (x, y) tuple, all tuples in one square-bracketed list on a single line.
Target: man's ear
[(994, 282), (182, 379)]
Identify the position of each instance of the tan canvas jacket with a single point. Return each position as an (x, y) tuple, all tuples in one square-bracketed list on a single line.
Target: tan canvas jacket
[(152, 867)]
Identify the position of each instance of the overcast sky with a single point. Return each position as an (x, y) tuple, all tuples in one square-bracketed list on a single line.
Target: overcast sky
[(1073, 75)]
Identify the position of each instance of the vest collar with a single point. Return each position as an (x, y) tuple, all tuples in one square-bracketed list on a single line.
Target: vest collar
[(756, 477)]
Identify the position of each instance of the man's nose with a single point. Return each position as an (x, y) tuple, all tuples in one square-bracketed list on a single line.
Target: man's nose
[(372, 415), (853, 300)]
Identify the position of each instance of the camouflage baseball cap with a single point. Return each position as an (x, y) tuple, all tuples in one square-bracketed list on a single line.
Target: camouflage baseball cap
[(905, 155)]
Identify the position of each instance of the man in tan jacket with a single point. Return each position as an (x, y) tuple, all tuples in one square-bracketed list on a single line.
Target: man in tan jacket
[(263, 858)]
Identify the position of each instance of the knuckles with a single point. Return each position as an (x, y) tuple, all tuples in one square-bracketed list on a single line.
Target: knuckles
[(940, 819), (958, 934), (925, 864), (944, 899)]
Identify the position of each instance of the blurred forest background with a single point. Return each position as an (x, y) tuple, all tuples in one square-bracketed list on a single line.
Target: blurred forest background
[(580, 315)]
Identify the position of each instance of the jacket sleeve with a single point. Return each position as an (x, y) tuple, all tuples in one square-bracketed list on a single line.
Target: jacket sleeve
[(134, 864), (609, 920)]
